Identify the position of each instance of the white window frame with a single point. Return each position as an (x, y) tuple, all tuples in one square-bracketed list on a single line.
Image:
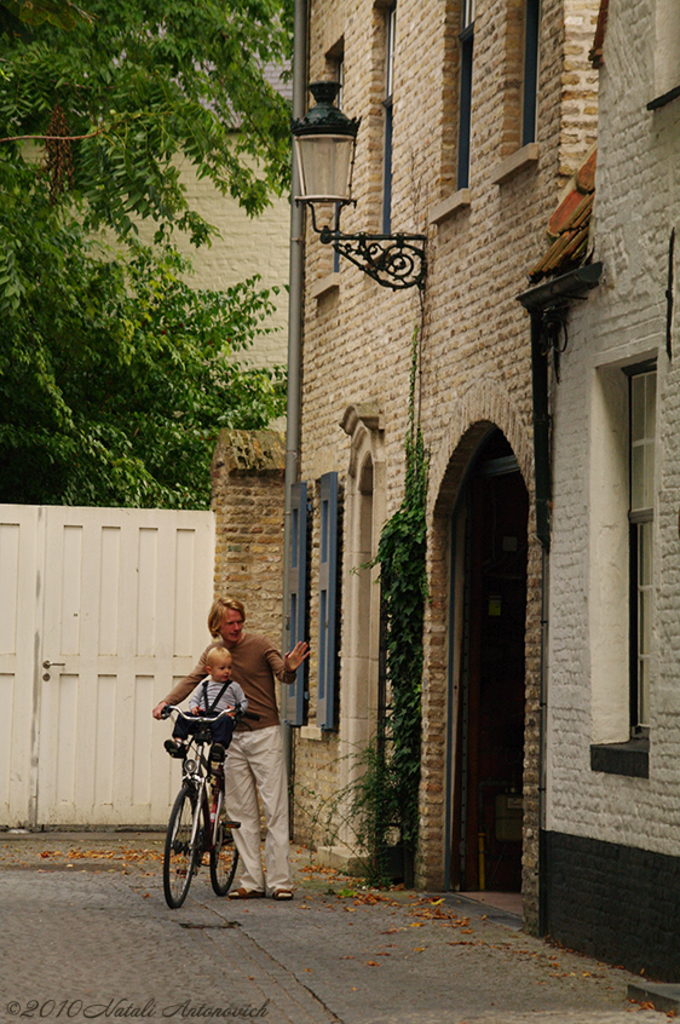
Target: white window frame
[(642, 447)]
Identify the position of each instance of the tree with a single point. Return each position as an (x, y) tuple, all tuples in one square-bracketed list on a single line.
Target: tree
[(15, 14), (131, 85), (114, 374)]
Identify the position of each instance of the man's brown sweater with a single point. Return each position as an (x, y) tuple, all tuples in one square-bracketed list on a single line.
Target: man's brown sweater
[(255, 663)]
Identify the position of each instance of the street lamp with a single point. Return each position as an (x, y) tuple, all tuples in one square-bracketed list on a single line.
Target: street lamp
[(324, 141)]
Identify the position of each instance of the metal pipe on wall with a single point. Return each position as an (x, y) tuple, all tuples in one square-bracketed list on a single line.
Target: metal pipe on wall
[(295, 313)]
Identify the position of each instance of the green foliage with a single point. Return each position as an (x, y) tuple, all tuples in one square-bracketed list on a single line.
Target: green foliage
[(379, 807), (115, 375), (355, 811), (389, 789), (15, 14), (137, 83)]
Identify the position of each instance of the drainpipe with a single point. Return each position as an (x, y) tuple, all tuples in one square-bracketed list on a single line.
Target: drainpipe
[(541, 417), (295, 312)]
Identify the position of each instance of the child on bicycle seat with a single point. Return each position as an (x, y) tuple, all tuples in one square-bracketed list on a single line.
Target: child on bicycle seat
[(217, 692)]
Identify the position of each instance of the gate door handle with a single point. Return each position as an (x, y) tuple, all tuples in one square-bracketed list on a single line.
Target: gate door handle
[(49, 664)]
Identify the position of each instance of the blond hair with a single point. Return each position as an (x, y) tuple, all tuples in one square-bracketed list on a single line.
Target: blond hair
[(216, 654), (219, 607)]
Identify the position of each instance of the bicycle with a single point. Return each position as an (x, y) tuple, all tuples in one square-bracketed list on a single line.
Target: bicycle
[(198, 822)]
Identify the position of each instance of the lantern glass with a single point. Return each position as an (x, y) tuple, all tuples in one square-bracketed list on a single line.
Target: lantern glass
[(325, 165)]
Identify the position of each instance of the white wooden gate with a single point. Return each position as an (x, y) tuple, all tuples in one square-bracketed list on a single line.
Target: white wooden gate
[(101, 610)]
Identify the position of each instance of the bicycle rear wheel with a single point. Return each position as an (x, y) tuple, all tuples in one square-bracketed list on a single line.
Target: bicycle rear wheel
[(178, 860), (223, 860)]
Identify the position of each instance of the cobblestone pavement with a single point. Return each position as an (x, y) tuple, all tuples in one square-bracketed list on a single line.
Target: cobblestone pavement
[(86, 935)]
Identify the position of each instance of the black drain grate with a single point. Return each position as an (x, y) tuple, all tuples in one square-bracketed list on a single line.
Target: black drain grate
[(211, 927)]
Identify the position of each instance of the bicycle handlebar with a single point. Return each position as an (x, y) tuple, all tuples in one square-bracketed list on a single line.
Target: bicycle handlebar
[(190, 717)]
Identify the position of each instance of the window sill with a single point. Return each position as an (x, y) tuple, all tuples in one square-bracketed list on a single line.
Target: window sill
[(631, 758), (311, 732), (329, 283), (458, 201), (525, 157)]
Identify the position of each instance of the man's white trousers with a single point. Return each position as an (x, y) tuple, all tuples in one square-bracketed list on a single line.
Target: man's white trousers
[(255, 762)]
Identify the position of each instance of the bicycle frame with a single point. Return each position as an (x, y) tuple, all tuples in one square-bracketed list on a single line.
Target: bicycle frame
[(210, 831)]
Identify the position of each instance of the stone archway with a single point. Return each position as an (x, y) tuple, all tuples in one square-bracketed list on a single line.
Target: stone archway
[(486, 705), (475, 415)]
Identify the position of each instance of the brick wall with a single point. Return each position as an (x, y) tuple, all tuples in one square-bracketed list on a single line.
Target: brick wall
[(622, 911), (248, 501), (474, 368), (622, 324)]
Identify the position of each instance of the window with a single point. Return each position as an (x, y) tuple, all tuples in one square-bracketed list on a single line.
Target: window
[(339, 69), (641, 518), (620, 571), (466, 53), (518, 98), (391, 22), (530, 77)]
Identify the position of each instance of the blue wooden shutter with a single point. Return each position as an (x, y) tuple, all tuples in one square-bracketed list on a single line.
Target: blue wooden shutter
[(328, 588), (293, 698)]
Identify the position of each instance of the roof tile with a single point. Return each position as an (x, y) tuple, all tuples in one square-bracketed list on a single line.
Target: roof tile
[(569, 226)]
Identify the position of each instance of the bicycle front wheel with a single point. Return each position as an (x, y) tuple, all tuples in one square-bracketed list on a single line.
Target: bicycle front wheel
[(178, 860), (223, 860)]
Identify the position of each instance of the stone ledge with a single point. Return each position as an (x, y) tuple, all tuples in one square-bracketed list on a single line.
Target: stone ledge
[(341, 858), (630, 758), (311, 732), (324, 285), (527, 156), (664, 997), (249, 451), (458, 201)]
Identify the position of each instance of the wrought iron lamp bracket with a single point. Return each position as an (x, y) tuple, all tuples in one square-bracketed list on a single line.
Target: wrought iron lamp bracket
[(395, 261)]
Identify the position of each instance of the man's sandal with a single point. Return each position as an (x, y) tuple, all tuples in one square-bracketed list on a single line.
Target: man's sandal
[(245, 894), (282, 894)]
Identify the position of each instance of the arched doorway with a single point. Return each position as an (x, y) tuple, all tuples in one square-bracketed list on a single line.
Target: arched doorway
[(489, 584)]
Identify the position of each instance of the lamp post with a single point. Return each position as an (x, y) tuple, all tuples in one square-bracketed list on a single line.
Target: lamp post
[(324, 141)]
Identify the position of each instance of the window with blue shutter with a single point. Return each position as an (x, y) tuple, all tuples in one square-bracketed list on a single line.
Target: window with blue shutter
[(326, 717), (294, 698)]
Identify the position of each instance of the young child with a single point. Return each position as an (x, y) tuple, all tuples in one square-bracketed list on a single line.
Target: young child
[(217, 692)]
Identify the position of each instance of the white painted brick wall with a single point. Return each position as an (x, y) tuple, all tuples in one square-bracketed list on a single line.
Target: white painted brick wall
[(624, 320)]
